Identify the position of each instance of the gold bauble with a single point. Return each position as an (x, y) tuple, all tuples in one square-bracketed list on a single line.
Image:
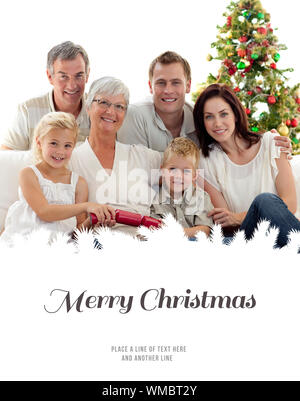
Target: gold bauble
[(209, 57), (283, 130)]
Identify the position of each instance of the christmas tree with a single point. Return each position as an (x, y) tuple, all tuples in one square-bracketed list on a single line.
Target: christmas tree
[(250, 52)]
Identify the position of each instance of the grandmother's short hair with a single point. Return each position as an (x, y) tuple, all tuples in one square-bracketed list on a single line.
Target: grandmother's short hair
[(107, 85)]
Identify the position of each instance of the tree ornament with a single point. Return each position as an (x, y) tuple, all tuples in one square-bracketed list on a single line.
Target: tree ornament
[(241, 65), (295, 140), (294, 122), (271, 99), (229, 20), (283, 129), (209, 57), (232, 70), (254, 21), (276, 57), (243, 39), (254, 56), (288, 122), (241, 18), (266, 43), (298, 100), (250, 93), (228, 42), (262, 31), (237, 89), (258, 89), (248, 111), (273, 65), (298, 109), (241, 52), (260, 16), (254, 129)]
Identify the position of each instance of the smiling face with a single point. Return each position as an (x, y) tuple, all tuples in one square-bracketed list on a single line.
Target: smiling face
[(168, 87), (68, 79), (106, 114), (178, 174), (57, 146), (219, 119)]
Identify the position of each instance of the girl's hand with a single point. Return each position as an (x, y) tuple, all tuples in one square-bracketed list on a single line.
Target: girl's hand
[(225, 218), (106, 215)]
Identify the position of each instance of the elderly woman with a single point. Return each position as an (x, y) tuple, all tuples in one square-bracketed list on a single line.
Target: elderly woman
[(117, 174)]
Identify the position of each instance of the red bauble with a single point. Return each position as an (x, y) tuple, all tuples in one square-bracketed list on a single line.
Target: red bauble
[(288, 122), (229, 19), (271, 30), (273, 65), (243, 75), (232, 70), (262, 31), (298, 100), (250, 93), (243, 39), (248, 111), (241, 52), (294, 122), (271, 99), (237, 89), (258, 89), (228, 63), (265, 43)]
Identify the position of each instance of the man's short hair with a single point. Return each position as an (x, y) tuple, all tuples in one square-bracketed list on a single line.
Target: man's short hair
[(66, 51), (183, 147), (170, 58)]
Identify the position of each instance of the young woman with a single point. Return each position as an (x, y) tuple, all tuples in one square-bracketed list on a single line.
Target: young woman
[(246, 175)]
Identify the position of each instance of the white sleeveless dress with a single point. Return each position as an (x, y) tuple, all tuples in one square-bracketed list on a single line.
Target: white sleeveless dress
[(21, 219)]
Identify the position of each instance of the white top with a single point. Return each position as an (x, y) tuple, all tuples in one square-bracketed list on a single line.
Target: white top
[(21, 219), (240, 184), (128, 185), (142, 125), (20, 135)]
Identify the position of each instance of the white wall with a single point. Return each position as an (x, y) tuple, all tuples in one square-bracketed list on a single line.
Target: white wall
[(121, 38)]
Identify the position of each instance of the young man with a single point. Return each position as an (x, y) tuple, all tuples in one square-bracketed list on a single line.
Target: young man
[(67, 71), (155, 123)]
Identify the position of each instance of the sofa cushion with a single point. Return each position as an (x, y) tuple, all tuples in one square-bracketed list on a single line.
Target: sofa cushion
[(11, 162)]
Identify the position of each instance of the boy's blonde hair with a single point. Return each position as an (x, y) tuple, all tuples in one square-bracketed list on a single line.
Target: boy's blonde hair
[(49, 122), (183, 147)]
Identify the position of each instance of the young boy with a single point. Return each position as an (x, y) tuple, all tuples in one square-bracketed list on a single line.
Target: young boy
[(178, 193)]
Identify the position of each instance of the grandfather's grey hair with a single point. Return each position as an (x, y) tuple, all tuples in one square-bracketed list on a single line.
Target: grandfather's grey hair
[(107, 85), (66, 51)]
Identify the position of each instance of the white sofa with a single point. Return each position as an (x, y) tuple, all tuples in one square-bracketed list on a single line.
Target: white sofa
[(11, 162)]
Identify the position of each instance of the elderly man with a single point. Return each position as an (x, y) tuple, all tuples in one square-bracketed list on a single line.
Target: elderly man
[(67, 71)]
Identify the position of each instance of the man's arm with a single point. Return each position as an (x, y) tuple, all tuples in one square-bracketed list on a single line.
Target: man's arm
[(3, 147), (133, 129)]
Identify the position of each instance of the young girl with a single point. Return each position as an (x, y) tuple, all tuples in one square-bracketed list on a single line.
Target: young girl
[(246, 176), (50, 195)]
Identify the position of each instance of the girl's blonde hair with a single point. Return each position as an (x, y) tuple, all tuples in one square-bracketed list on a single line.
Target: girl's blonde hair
[(48, 122)]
